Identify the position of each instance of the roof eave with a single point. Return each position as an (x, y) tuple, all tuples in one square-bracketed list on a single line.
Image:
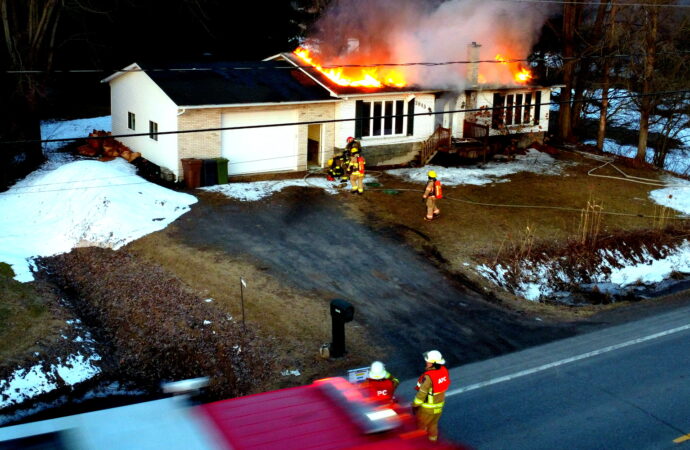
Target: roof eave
[(132, 67), (241, 105)]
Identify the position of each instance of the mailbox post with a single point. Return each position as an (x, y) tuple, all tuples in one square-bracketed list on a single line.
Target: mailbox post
[(341, 313)]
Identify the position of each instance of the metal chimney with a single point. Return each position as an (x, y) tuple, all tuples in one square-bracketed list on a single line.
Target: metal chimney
[(473, 65)]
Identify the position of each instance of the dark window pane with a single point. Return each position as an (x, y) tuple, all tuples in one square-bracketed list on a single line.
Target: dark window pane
[(399, 105), (528, 106), (388, 118), (359, 105), (497, 112), (537, 107), (410, 117), (509, 110), (377, 119), (366, 116), (518, 108)]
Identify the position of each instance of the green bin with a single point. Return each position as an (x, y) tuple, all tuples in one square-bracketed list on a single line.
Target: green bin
[(222, 170)]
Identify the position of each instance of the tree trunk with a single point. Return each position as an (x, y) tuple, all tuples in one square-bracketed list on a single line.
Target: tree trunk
[(601, 132), (646, 103), (565, 108)]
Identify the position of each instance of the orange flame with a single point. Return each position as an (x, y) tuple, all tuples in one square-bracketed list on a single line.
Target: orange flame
[(522, 75), (356, 76)]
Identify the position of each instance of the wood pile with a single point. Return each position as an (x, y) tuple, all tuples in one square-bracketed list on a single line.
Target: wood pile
[(100, 144)]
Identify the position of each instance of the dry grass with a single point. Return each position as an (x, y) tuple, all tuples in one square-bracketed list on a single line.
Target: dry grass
[(469, 233), (28, 318), (300, 321)]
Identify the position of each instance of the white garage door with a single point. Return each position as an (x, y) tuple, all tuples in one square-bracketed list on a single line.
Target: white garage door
[(256, 150)]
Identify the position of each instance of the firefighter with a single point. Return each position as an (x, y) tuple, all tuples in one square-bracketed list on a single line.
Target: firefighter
[(335, 169), (355, 168), (380, 385), (431, 391), (432, 193), (353, 143)]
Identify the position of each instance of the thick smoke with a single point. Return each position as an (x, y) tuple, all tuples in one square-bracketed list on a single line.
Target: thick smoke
[(429, 31)]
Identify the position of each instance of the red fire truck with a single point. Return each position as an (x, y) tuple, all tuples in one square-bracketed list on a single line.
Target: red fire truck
[(328, 414)]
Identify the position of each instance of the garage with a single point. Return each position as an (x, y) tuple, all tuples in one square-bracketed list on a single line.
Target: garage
[(266, 149)]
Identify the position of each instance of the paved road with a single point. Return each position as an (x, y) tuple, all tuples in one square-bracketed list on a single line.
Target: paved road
[(623, 387), (304, 236)]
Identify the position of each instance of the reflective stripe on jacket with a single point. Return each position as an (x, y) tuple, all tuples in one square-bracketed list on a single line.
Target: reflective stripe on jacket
[(432, 387)]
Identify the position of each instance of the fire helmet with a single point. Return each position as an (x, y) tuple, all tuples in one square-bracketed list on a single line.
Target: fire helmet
[(350, 139), (434, 357), (377, 371), (431, 174)]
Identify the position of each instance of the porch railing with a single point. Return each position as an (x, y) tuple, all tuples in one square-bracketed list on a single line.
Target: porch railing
[(438, 141)]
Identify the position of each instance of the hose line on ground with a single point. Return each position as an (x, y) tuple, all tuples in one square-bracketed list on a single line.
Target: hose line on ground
[(507, 205)]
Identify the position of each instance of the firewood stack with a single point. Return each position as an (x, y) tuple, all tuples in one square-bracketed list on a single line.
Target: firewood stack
[(99, 143)]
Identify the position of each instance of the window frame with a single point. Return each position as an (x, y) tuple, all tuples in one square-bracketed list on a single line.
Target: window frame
[(384, 118), (131, 121), (153, 130)]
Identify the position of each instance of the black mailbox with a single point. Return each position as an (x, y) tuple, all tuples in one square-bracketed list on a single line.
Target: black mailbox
[(342, 310)]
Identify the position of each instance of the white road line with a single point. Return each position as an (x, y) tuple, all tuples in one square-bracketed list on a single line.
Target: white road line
[(522, 373)]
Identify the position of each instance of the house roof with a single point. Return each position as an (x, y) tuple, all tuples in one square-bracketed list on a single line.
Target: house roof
[(230, 83), (344, 90)]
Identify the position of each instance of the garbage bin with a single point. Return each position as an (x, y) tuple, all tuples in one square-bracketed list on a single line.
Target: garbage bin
[(209, 172), (191, 169), (222, 170)]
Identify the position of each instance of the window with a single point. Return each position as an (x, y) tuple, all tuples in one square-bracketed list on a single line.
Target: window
[(518, 108), (497, 111), (528, 107), (537, 107), (153, 130), (383, 118), (515, 109), (131, 121)]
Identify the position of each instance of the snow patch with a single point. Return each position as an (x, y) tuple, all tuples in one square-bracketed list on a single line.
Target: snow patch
[(533, 161)]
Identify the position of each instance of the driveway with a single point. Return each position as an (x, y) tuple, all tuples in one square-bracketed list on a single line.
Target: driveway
[(305, 237)]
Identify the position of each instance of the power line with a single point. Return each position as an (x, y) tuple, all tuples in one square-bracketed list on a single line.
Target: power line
[(369, 65), (316, 122), (615, 3)]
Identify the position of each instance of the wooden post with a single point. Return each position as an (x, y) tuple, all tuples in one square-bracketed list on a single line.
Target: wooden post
[(242, 285)]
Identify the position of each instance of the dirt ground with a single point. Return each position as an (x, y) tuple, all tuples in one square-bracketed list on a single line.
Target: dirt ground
[(413, 283)]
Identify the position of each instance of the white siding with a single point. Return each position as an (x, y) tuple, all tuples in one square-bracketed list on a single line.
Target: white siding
[(257, 150), (424, 125), (135, 92)]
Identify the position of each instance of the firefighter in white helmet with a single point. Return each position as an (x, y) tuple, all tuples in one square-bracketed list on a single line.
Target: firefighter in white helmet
[(380, 384), (432, 193), (431, 392)]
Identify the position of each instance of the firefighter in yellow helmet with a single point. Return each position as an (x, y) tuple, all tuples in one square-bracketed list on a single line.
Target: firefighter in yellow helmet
[(432, 193), (355, 168), (431, 393), (335, 169)]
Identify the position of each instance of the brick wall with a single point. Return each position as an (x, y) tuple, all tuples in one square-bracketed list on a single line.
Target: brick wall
[(202, 144)]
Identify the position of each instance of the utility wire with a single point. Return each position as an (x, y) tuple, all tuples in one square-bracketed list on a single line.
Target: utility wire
[(315, 122), (615, 3), (369, 65)]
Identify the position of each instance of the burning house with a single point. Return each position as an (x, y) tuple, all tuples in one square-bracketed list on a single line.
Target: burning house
[(295, 110)]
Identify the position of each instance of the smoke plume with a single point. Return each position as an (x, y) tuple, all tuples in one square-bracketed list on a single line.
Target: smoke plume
[(429, 31)]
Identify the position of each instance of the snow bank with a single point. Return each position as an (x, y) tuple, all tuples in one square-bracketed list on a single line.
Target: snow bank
[(541, 280), (493, 172), (249, 192), (676, 196), (25, 383), (82, 203)]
